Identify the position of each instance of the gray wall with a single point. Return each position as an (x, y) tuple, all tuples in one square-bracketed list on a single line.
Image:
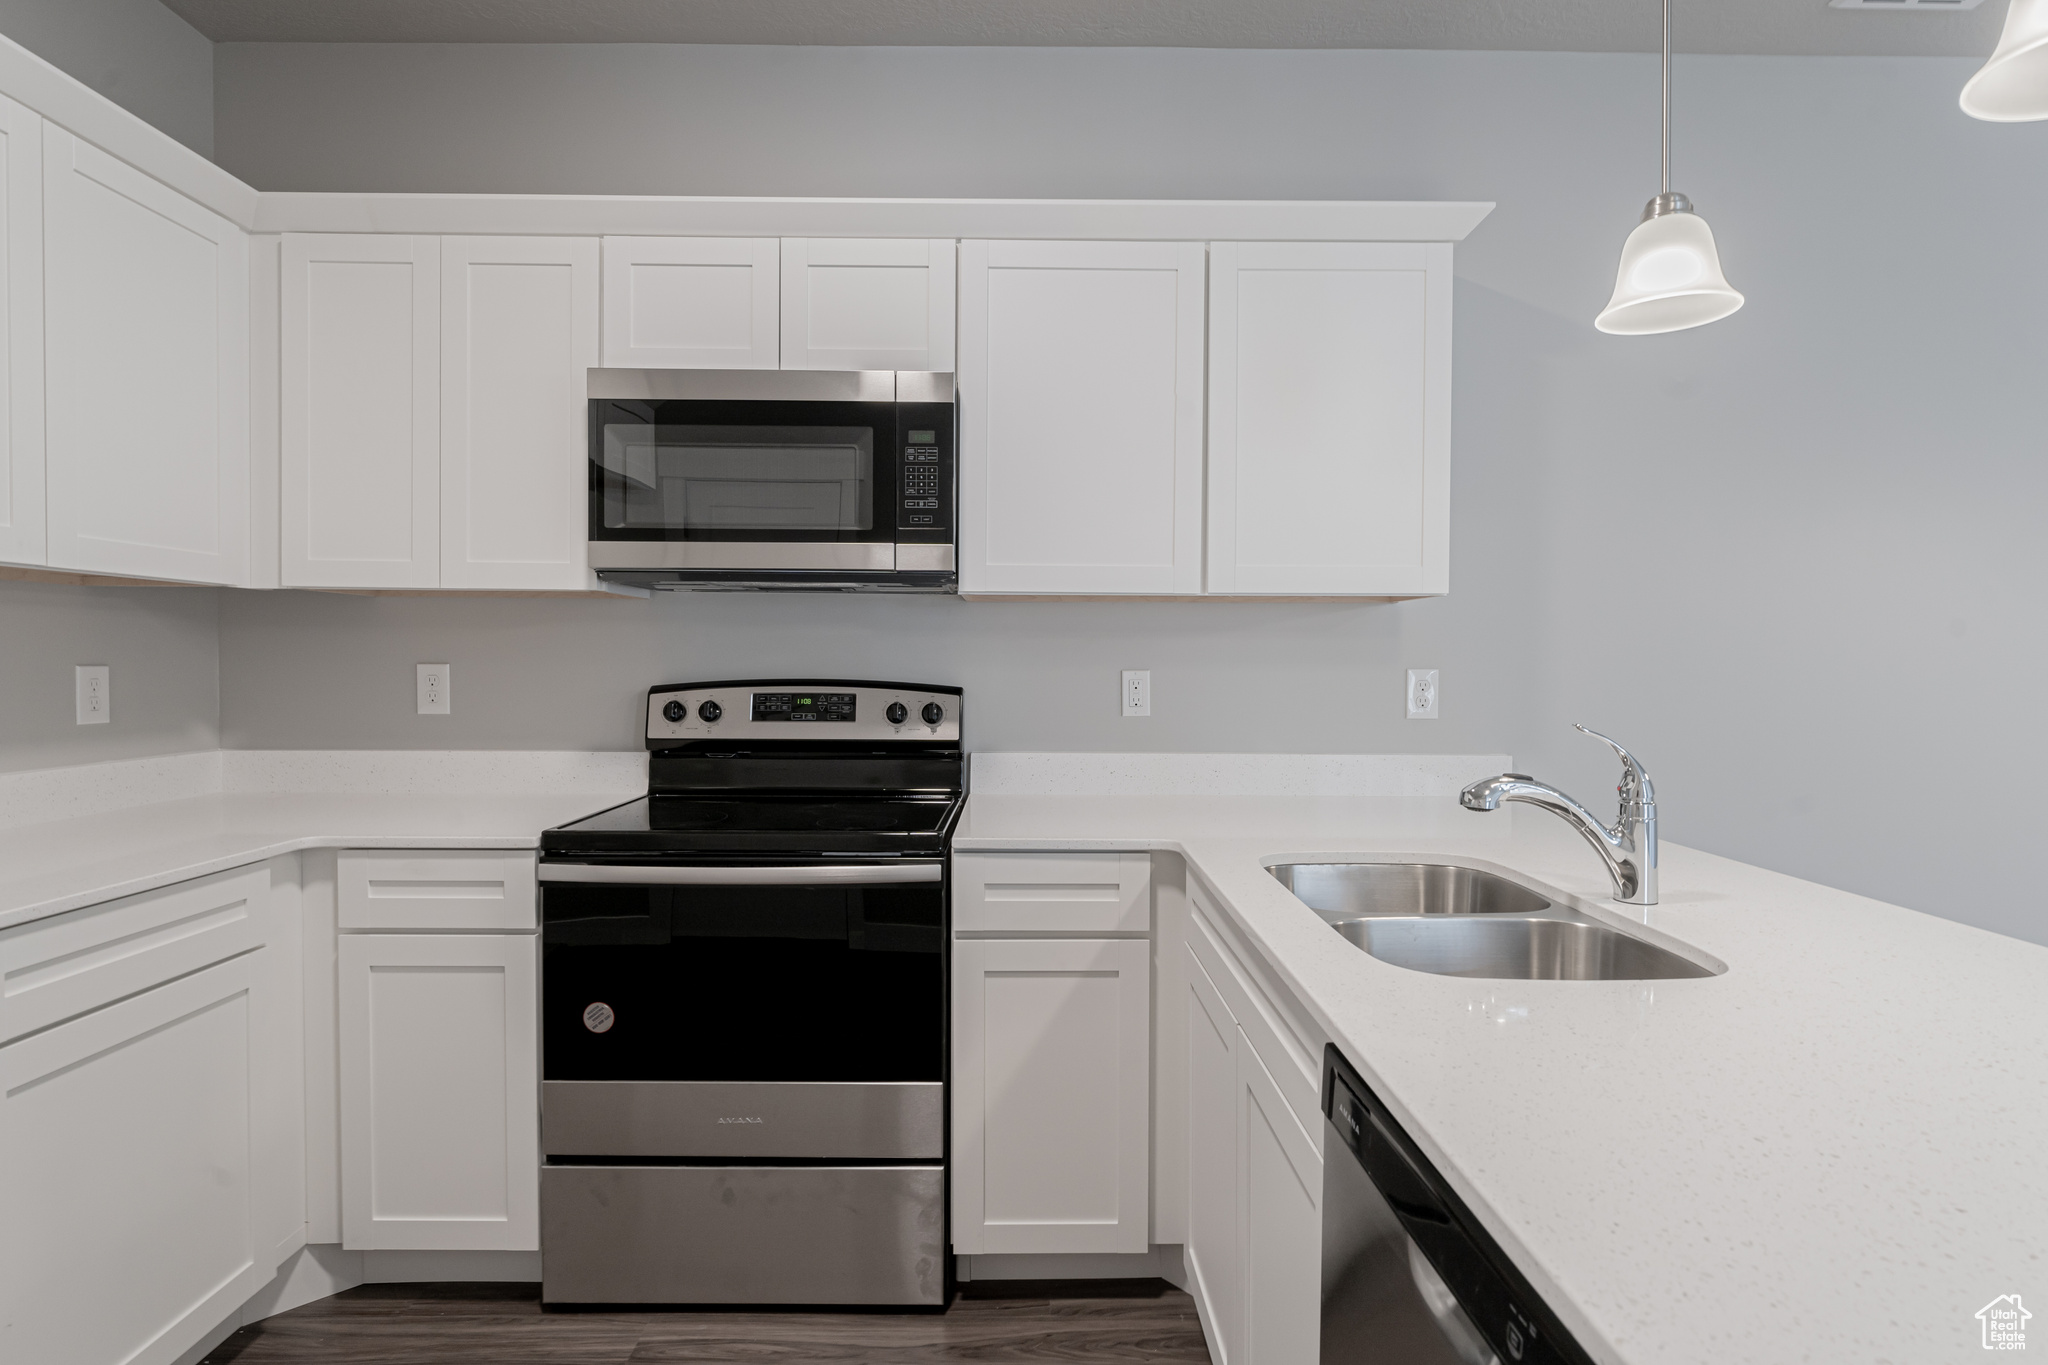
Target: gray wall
[(1789, 558), (163, 645), (135, 52)]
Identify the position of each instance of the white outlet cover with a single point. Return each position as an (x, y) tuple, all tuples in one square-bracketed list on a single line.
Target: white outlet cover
[(95, 697), (433, 688), (1422, 694), (1137, 692)]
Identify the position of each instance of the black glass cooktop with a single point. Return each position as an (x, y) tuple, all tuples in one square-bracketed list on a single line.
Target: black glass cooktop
[(761, 824)]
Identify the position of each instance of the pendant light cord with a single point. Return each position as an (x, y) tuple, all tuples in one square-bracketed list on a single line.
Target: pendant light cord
[(1665, 164)]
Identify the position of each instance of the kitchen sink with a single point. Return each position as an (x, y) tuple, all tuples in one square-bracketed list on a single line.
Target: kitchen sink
[(1347, 890), (1459, 921), (1516, 949)]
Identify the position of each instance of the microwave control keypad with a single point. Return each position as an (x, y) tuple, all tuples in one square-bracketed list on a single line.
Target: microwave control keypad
[(921, 491)]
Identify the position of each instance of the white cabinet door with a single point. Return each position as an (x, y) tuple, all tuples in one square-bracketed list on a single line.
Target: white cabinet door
[(1081, 417), (440, 1092), (867, 303), (690, 303), (126, 1174), (1280, 1195), (1051, 1095), (1213, 1262), (361, 404), (146, 320), (1329, 418), (518, 337), (21, 334)]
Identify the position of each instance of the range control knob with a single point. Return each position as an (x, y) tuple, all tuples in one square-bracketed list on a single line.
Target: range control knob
[(673, 711), (709, 712), (933, 713), (897, 713)]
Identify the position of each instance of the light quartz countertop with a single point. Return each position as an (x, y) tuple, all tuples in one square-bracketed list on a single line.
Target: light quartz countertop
[(77, 836), (1837, 1150), (46, 869)]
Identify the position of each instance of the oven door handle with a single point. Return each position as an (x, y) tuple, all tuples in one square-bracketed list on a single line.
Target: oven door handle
[(832, 875)]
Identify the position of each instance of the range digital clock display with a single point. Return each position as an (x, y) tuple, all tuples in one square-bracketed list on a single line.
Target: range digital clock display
[(803, 706)]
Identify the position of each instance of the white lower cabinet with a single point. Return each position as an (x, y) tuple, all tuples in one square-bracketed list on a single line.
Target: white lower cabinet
[(440, 1116), (1051, 1095), (1280, 1179), (1211, 1252), (150, 1123), (1255, 1182)]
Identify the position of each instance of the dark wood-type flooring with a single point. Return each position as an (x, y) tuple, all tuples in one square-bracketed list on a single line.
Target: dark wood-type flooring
[(1073, 1322)]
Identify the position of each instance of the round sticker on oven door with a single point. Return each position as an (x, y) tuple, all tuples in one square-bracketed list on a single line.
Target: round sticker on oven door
[(598, 1017)]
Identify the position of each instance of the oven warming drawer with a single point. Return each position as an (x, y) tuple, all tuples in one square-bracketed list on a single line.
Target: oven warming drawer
[(743, 1234), (785, 1120)]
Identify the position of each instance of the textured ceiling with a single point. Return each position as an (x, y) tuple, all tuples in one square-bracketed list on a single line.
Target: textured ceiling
[(1787, 27)]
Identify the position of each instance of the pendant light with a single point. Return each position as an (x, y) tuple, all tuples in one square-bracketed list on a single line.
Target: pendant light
[(2013, 86), (1670, 276)]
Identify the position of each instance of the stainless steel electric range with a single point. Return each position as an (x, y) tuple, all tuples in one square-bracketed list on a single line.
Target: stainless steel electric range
[(743, 996)]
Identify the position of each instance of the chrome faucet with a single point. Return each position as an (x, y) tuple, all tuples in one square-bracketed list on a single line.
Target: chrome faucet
[(1628, 847)]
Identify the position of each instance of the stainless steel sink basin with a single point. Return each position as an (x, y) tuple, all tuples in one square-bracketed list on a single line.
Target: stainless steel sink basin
[(1459, 921), (1348, 890), (1516, 949)]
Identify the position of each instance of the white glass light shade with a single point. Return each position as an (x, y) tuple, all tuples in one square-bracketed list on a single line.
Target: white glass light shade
[(2013, 86), (1670, 279)]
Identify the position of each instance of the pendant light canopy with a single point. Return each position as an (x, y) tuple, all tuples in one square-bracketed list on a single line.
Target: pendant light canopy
[(2013, 86), (1670, 276)]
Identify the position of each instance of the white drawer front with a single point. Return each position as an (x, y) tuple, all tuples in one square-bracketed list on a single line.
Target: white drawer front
[(450, 889), (1052, 893), (60, 967)]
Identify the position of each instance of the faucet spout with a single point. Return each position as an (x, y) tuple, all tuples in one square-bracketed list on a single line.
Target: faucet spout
[(1628, 847)]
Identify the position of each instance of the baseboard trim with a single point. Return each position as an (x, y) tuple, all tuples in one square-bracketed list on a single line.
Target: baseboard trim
[(426, 1267), (1159, 1263)]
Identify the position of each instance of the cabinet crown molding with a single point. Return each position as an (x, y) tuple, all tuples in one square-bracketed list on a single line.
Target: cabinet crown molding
[(1193, 220)]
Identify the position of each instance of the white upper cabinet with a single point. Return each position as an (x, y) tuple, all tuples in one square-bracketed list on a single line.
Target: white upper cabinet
[(21, 334), (1329, 418), (867, 303), (518, 337), (1080, 374), (691, 303), (147, 370), (361, 411)]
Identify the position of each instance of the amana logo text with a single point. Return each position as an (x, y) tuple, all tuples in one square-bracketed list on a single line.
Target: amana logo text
[(741, 1119)]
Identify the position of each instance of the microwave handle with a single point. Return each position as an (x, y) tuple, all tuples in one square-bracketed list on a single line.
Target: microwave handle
[(830, 875)]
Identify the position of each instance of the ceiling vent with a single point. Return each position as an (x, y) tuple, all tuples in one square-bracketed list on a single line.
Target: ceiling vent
[(1922, 5)]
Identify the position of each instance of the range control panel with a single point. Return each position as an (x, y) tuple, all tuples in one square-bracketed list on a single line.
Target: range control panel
[(786, 711)]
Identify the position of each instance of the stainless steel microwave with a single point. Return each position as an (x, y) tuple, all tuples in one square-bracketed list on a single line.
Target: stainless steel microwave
[(790, 479)]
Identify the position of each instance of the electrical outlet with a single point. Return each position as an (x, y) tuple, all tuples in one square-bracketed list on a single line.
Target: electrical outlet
[(433, 689), (95, 694), (1137, 692), (1422, 694)]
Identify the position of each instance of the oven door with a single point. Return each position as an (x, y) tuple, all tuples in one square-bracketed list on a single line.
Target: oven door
[(743, 485), (789, 1013)]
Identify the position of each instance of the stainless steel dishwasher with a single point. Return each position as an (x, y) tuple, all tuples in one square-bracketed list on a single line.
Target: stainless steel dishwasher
[(1409, 1276)]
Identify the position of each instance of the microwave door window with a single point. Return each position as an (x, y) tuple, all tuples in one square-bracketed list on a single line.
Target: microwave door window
[(801, 480)]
